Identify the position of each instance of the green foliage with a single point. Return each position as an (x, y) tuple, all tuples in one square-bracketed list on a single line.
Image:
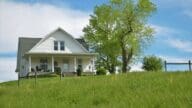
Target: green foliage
[(119, 28), (152, 63), (101, 71), (79, 71), (149, 89), (57, 70)]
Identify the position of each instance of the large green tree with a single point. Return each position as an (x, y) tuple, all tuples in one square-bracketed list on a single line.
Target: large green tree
[(99, 33), (120, 28)]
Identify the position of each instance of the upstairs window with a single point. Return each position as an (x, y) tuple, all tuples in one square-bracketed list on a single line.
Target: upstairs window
[(55, 45), (62, 46)]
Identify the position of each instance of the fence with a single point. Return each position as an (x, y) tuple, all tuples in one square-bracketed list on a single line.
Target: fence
[(35, 76), (165, 65), (178, 63)]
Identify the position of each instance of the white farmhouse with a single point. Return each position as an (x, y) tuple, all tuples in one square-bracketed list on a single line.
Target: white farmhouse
[(56, 50)]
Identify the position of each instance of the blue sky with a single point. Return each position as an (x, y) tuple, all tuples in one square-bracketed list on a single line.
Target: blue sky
[(84, 5), (172, 15), (35, 18)]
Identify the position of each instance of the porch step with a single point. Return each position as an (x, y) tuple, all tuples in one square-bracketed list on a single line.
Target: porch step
[(63, 73), (69, 74), (39, 73)]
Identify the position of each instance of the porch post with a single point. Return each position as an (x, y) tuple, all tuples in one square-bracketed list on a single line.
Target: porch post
[(29, 63), (52, 64), (75, 64), (93, 61)]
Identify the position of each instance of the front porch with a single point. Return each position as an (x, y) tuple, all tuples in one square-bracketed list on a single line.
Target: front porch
[(67, 64)]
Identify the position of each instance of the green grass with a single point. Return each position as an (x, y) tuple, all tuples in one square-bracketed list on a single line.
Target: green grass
[(132, 90)]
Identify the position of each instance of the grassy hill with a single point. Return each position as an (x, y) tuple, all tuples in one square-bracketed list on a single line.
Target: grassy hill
[(150, 89)]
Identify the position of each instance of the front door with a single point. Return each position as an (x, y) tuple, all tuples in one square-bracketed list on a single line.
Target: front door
[(66, 66)]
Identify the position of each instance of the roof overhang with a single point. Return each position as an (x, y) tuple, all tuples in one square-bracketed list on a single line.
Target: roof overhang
[(60, 54)]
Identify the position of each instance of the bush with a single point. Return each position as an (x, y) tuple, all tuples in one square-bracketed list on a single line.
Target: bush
[(79, 71), (101, 71), (152, 63), (57, 70)]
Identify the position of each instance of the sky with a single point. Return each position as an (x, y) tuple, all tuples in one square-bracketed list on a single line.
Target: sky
[(35, 18)]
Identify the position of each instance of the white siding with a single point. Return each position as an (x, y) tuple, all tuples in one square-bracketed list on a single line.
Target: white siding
[(35, 61), (87, 67), (60, 61), (71, 46), (23, 67), (86, 63)]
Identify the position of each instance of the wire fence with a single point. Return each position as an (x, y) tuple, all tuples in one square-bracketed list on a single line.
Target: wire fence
[(166, 64), (177, 63)]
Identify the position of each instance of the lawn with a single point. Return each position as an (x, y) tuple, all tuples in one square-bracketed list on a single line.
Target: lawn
[(132, 90)]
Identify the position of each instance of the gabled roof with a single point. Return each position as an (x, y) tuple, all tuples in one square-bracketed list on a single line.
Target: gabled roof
[(28, 43), (60, 29), (83, 43), (24, 45)]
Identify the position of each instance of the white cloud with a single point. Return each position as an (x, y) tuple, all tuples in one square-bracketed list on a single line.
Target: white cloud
[(182, 45), (7, 69), (174, 59), (26, 20), (174, 37), (164, 31), (169, 32), (188, 13), (136, 67), (183, 6), (173, 3)]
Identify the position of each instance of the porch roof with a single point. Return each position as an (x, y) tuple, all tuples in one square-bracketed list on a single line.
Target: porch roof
[(59, 53)]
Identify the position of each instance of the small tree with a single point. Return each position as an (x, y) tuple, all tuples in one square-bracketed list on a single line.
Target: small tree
[(57, 70), (152, 63), (101, 71), (79, 71)]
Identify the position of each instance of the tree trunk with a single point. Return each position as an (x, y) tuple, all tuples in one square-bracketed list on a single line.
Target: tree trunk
[(112, 69), (124, 59), (130, 55)]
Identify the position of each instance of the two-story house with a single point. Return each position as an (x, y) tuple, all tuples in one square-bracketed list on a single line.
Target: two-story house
[(57, 49)]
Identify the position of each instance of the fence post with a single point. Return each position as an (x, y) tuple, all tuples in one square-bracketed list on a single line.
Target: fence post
[(60, 75), (165, 65), (190, 65), (18, 83), (35, 77)]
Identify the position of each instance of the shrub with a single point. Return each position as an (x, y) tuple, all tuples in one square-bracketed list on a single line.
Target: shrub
[(101, 71), (79, 71), (57, 70), (152, 63)]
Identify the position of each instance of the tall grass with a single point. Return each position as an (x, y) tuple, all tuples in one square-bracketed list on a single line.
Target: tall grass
[(132, 90)]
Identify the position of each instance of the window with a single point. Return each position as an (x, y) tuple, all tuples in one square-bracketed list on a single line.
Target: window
[(55, 45), (55, 64), (79, 61), (62, 46), (59, 44), (44, 64)]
